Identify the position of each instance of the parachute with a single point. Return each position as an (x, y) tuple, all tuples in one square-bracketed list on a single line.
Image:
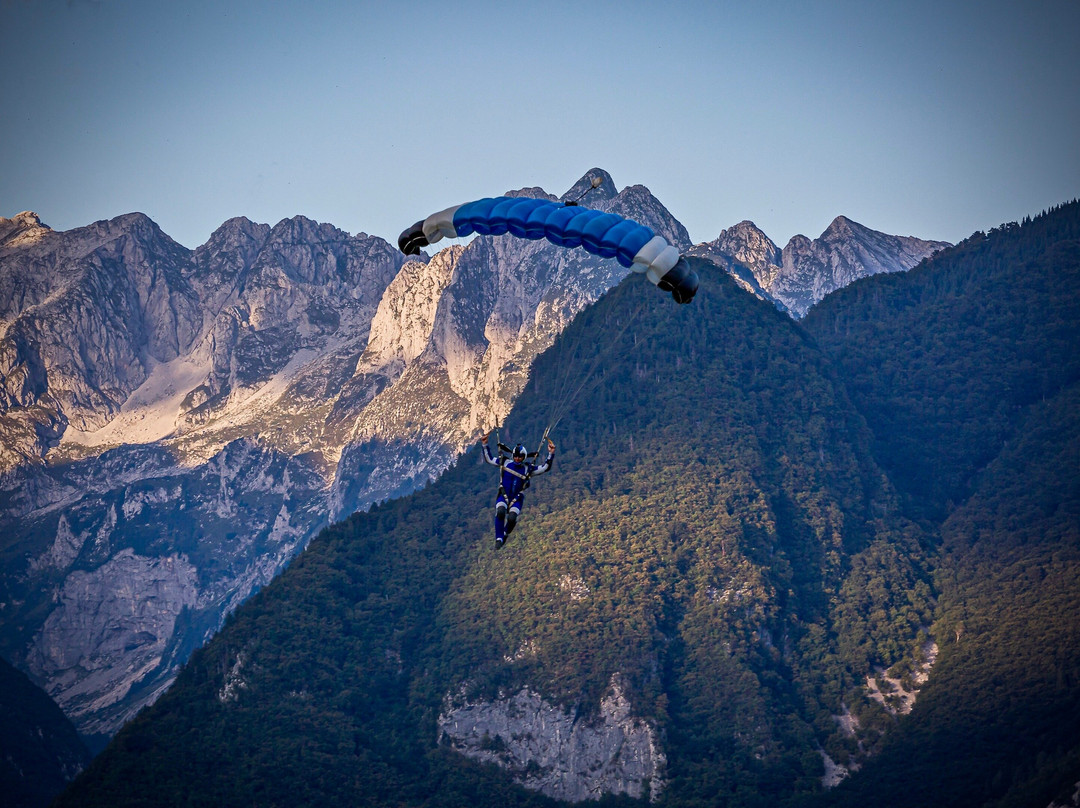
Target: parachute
[(566, 224)]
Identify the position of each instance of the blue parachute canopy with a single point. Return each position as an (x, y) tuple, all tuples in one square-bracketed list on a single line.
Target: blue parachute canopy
[(566, 224)]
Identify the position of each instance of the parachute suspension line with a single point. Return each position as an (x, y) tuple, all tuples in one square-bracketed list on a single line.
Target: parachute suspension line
[(568, 396), (563, 390), (572, 380), (543, 438), (563, 387), (498, 440)]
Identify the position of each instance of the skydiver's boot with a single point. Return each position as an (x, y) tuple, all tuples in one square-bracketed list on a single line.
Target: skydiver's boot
[(500, 525)]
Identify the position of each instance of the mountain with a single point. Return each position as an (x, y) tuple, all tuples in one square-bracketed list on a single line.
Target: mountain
[(151, 379), (966, 370), (748, 255), (185, 421), (806, 271), (82, 316), (710, 575), (40, 752)]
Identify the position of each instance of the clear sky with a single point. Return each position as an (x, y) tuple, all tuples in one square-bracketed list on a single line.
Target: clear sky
[(932, 119)]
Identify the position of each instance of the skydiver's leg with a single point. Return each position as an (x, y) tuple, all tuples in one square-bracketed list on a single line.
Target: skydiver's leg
[(500, 519), (515, 512)]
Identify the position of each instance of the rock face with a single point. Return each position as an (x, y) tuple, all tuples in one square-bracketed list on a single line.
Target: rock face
[(552, 750), (22, 230), (175, 425), (140, 559), (155, 472), (82, 317), (130, 603), (892, 692), (805, 271), (749, 256)]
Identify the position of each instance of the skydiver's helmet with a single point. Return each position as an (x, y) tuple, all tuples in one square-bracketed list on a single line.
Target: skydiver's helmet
[(519, 453)]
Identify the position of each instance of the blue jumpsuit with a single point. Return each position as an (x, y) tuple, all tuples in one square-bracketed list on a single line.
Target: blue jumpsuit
[(512, 489)]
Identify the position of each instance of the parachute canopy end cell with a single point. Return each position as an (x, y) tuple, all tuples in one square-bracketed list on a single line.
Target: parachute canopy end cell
[(608, 235), (681, 281), (412, 239)]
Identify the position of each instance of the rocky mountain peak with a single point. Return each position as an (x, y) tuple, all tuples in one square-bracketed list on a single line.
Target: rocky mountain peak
[(230, 251), (236, 231), (843, 227), (638, 203), (748, 245), (22, 229), (748, 255), (806, 270), (135, 226), (300, 229), (532, 193), (845, 252), (798, 244)]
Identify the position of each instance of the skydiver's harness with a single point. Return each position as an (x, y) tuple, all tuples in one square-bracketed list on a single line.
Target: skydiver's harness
[(509, 455)]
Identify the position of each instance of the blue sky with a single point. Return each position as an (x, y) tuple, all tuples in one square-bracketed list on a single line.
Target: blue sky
[(932, 119)]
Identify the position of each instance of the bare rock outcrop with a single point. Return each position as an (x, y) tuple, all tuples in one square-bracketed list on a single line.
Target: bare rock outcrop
[(556, 751), (85, 648)]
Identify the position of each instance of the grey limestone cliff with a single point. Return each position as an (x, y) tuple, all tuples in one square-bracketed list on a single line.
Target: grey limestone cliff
[(557, 752)]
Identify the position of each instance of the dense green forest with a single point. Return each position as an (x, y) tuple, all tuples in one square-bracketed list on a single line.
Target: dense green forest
[(40, 750), (943, 360), (722, 533), (968, 371), (999, 722)]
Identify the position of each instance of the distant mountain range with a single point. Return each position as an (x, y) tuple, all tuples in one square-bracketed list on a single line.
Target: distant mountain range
[(185, 421), (806, 271)]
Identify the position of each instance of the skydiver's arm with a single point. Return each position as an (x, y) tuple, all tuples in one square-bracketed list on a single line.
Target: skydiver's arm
[(546, 465), (488, 457)]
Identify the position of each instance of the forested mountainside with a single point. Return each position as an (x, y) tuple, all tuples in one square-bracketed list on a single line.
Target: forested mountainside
[(967, 372), (944, 360), (702, 584), (40, 751)]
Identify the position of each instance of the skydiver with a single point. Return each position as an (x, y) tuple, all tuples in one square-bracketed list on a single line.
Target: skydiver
[(516, 475)]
